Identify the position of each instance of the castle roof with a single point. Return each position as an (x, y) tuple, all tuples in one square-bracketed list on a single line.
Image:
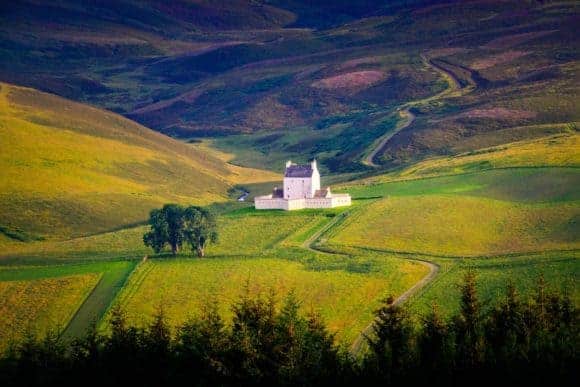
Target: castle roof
[(321, 193), (299, 171)]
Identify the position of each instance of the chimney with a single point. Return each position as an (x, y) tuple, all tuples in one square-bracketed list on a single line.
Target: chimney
[(288, 163)]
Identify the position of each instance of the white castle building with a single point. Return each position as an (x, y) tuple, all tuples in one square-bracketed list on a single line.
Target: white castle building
[(301, 190)]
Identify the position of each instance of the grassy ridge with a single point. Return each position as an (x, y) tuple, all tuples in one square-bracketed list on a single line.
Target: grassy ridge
[(70, 170)]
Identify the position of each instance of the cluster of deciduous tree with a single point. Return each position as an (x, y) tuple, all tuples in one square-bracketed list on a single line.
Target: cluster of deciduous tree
[(516, 341), (173, 225)]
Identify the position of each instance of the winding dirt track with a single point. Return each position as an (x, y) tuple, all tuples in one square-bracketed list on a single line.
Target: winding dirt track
[(454, 89), (311, 244), (356, 346), (370, 158)]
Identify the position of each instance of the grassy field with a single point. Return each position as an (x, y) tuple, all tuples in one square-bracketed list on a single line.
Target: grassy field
[(557, 150), (560, 270), (462, 226), (250, 233), (526, 210), (344, 298), (38, 306), (69, 297)]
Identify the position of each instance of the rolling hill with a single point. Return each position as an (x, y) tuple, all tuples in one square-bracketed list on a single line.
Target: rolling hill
[(70, 169), (456, 124), (325, 79)]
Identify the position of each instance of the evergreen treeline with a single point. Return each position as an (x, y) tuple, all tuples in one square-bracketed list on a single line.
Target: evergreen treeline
[(516, 341)]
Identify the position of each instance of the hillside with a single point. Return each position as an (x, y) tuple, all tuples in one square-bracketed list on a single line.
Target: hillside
[(70, 170), (325, 79)]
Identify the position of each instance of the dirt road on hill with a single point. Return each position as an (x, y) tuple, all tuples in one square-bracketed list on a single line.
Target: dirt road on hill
[(369, 159), (356, 346), (454, 89), (310, 244)]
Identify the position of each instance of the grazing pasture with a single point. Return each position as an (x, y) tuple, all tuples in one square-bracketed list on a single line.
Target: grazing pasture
[(38, 306), (344, 297), (452, 225), (252, 233), (559, 269)]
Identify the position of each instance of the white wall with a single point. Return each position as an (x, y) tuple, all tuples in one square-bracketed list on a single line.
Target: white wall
[(268, 203), (315, 184), (297, 187)]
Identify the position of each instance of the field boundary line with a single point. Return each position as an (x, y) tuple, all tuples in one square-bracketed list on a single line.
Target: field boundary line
[(490, 256), (125, 292)]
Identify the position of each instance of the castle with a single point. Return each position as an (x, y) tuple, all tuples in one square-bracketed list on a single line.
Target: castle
[(301, 190)]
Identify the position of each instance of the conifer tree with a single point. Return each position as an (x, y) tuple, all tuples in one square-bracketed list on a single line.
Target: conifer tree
[(390, 343), (434, 343), (468, 325)]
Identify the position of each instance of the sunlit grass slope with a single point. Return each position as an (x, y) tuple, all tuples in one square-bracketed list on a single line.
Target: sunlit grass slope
[(462, 226), (345, 299), (69, 169), (559, 269), (41, 305), (556, 150), (241, 233)]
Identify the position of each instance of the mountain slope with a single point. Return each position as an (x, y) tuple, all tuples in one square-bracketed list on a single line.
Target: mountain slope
[(320, 80), (69, 169)]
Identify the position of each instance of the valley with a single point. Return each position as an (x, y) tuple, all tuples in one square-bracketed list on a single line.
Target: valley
[(453, 128)]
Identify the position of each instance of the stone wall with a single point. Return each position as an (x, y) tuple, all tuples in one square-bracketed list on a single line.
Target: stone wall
[(269, 203)]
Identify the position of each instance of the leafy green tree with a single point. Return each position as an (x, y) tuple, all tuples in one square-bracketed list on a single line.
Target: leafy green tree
[(173, 224), (175, 232), (199, 228), (158, 236)]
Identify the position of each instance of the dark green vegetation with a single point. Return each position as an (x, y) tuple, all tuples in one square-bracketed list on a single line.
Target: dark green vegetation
[(322, 79), (174, 224), (532, 341)]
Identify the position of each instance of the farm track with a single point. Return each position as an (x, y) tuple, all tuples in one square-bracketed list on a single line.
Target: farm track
[(312, 244), (382, 142), (357, 345), (97, 302), (454, 89)]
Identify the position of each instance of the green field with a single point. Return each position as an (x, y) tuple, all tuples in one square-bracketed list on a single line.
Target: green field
[(41, 305), (454, 225), (514, 224), (345, 299), (484, 177), (63, 298)]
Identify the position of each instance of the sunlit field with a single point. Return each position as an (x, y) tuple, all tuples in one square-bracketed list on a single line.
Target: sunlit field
[(39, 306), (345, 299), (461, 226)]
